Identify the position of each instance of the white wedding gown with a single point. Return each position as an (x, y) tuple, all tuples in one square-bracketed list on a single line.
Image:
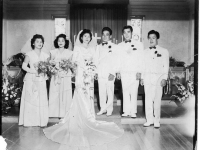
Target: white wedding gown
[(79, 129)]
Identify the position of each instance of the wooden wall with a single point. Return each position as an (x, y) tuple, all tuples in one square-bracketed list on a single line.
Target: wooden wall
[(174, 19), (24, 18)]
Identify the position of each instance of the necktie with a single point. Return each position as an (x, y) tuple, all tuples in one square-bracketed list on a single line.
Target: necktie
[(105, 43), (152, 47), (128, 41)]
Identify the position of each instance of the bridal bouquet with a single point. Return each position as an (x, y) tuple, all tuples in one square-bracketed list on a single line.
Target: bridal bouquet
[(73, 67), (64, 64), (41, 68), (89, 72), (53, 67)]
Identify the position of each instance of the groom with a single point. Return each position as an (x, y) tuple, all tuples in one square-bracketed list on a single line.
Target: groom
[(131, 68), (106, 71)]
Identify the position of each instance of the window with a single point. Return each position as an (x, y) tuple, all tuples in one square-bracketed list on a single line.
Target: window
[(60, 26), (136, 22)]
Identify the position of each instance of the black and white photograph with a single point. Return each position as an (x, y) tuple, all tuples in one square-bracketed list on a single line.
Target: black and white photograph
[(99, 75)]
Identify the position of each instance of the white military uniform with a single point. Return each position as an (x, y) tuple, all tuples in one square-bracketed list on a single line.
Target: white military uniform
[(131, 63), (105, 62), (156, 69)]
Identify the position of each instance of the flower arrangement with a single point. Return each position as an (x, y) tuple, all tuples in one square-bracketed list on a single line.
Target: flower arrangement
[(11, 94), (183, 92)]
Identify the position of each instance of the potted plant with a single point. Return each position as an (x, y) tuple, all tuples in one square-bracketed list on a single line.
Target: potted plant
[(184, 93)]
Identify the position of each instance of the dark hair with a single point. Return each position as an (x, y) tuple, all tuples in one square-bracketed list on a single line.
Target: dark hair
[(127, 27), (36, 36), (84, 32), (61, 36), (154, 32), (107, 29)]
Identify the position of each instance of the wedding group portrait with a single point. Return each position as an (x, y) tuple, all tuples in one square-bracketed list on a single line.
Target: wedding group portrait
[(99, 75)]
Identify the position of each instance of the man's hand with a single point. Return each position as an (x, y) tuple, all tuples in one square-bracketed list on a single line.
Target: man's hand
[(118, 76), (138, 76), (163, 82), (142, 82), (96, 76), (111, 77)]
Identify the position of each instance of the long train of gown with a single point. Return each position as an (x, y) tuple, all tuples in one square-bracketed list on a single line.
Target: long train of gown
[(80, 130)]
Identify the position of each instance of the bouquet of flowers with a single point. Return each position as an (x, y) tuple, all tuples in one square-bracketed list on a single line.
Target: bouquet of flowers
[(89, 72), (11, 94), (183, 92), (64, 64), (73, 67), (53, 67), (41, 67)]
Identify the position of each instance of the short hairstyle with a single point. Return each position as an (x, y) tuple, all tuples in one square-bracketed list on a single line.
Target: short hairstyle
[(36, 36), (84, 32), (61, 36), (127, 27), (154, 32), (107, 29)]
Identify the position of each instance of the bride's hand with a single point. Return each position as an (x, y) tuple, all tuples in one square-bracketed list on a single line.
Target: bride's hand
[(111, 77)]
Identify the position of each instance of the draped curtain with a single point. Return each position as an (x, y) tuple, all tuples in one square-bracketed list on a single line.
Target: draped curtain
[(95, 17)]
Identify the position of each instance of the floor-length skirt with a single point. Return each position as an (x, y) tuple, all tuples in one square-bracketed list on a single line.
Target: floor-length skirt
[(79, 130), (60, 96), (34, 104)]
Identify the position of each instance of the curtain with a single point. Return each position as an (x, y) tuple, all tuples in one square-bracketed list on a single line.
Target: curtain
[(95, 17)]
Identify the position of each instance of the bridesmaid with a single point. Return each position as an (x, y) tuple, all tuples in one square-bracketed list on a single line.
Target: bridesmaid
[(60, 95), (34, 103)]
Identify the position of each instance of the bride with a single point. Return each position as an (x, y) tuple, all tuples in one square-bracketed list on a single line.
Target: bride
[(79, 130)]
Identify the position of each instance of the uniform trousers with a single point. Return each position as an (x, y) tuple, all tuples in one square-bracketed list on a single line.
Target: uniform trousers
[(106, 94), (130, 93), (153, 95)]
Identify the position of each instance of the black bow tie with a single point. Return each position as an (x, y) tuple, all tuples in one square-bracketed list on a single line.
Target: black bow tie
[(105, 43), (152, 47), (128, 41)]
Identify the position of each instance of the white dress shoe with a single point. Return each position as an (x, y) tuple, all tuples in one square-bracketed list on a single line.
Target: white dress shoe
[(147, 124), (156, 125), (101, 113), (125, 115), (133, 115), (108, 114)]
